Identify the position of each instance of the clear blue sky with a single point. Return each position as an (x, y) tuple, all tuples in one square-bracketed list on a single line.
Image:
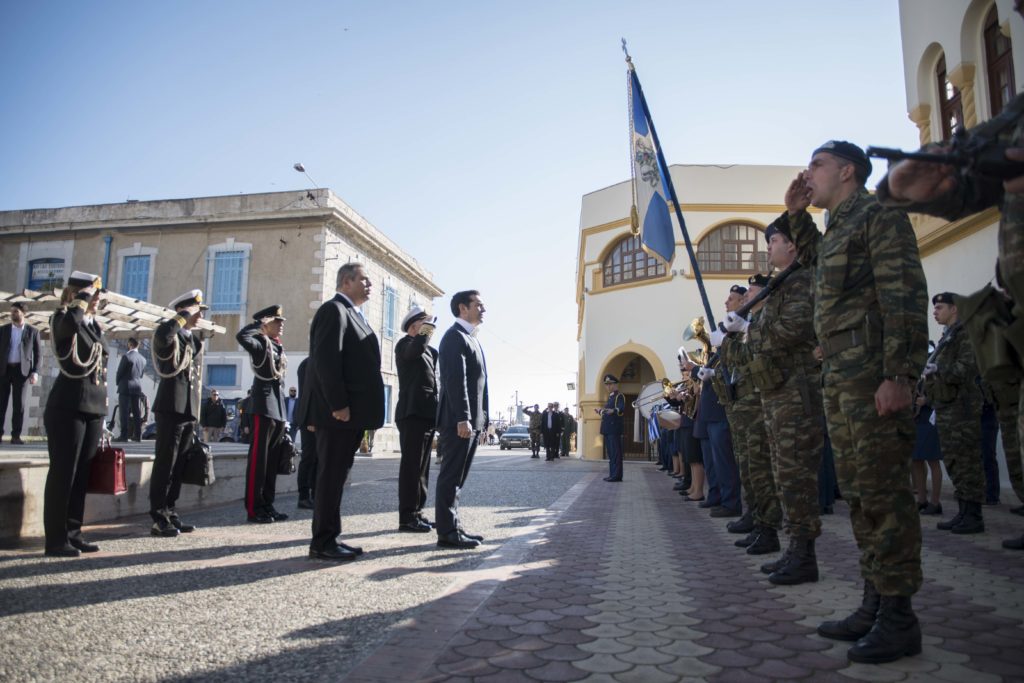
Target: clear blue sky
[(466, 131)]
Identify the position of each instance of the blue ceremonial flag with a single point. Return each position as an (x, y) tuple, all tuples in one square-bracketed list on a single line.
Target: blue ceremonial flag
[(650, 179)]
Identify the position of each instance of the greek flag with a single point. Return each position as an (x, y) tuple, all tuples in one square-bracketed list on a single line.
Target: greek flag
[(653, 430), (650, 179)]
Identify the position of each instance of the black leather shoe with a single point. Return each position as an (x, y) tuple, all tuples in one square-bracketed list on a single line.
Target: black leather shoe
[(426, 521), (15, 441), (305, 504), (65, 551), (474, 537), (83, 546), (456, 540), (163, 528), (1014, 543), (415, 526), (333, 554), (183, 528), (354, 549), (278, 516), (680, 486), (260, 518), (1019, 510)]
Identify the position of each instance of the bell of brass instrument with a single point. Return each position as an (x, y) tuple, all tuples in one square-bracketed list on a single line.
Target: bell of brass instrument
[(698, 331)]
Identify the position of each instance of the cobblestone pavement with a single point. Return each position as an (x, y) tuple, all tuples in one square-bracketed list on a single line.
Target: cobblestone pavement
[(578, 580)]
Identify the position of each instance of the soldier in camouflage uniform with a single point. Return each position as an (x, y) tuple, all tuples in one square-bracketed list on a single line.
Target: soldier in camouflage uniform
[(951, 383), (784, 369), (870, 310), (750, 439), (952, 193), (535, 422), (1004, 394)]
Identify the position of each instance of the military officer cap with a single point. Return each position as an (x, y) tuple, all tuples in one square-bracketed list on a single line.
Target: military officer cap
[(415, 314), (82, 279), (190, 298), (850, 152), (780, 225), (275, 312), (758, 280), (611, 379), (737, 289), (944, 298)]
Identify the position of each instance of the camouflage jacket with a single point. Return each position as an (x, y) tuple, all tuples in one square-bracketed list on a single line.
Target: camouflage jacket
[(974, 194), (957, 376), (785, 329), (869, 288)]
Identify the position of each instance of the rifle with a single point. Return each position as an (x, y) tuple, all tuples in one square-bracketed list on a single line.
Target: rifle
[(981, 155)]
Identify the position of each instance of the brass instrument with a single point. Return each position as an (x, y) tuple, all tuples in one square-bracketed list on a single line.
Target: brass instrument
[(647, 399), (698, 331)]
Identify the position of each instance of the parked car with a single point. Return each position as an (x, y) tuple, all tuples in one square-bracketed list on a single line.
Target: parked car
[(516, 435)]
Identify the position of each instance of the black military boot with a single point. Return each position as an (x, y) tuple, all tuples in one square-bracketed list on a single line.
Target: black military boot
[(949, 524), (895, 633), (748, 539), (767, 541), (801, 567), (857, 625), (771, 567), (972, 522), (743, 525)]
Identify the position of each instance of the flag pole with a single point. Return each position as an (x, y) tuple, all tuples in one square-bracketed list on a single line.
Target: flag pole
[(672, 192)]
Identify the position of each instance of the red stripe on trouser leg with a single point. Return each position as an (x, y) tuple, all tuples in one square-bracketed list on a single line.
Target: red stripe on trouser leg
[(250, 490)]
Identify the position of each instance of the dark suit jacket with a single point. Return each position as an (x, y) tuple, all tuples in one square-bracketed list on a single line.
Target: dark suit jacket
[(463, 393), (267, 395), (417, 378), (175, 394), (129, 373), (342, 371), (87, 395), (557, 422), (29, 348)]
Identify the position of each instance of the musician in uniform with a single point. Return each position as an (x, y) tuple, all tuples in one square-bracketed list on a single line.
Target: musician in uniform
[(611, 427), (951, 384), (261, 339), (177, 350), (870, 302), (74, 413)]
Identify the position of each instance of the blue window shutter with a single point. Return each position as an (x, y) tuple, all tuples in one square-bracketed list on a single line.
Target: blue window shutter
[(228, 268), (387, 404), (221, 375), (135, 277), (390, 312)]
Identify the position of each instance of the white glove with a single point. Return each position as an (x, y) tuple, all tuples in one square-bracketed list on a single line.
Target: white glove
[(717, 337), (705, 374), (930, 369), (735, 323)]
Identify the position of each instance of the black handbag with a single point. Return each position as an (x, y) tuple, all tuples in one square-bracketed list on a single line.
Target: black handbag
[(287, 454), (199, 466)]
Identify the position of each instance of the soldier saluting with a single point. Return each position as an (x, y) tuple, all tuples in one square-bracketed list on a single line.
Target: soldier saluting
[(176, 357), (262, 341)]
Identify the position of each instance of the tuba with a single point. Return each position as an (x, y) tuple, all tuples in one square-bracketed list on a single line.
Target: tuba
[(698, 331)]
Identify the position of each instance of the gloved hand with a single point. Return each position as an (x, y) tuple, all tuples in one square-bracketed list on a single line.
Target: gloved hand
[(735, 323), (717, 337), (705, 374), (930, 369)]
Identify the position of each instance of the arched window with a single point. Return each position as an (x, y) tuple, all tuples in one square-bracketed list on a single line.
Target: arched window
[(628, 262), (733, 248), (998, 64), (951, 113)]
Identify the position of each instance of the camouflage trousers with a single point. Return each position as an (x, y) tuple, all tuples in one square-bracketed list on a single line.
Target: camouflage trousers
[(535, 440), (750, 444), (793, 425), (872, 457), (1011, 447), (959, 428)]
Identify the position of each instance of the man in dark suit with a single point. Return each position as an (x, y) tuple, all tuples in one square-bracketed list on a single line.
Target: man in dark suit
[(129, 392), (461, 415), (261, 339), (342, 396), (19, 352), (551, 429), (416, 361), (306, 476), (176, 357)]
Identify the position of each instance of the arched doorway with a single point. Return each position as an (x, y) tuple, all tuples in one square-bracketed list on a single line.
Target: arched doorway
[(633, 371)]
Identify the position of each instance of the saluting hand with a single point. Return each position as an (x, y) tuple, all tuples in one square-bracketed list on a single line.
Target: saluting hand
[(798, 195)]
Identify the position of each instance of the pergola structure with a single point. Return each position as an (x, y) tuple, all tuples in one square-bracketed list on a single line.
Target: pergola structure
[(121, 317)]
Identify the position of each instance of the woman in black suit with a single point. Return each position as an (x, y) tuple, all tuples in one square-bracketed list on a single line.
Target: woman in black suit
[(74, 414)]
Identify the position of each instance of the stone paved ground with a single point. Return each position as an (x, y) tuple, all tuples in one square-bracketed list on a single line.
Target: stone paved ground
[(579, 580)]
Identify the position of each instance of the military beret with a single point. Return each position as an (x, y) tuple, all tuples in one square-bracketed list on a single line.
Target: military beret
[(415, 313), (944, 298), (737, 289), (779, 225), (758, 280), (190, 298), (82, 279), (849, 151), (275, 312), (611, 379)]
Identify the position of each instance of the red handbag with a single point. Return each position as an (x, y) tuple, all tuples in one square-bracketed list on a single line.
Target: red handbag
[(107, 470)]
